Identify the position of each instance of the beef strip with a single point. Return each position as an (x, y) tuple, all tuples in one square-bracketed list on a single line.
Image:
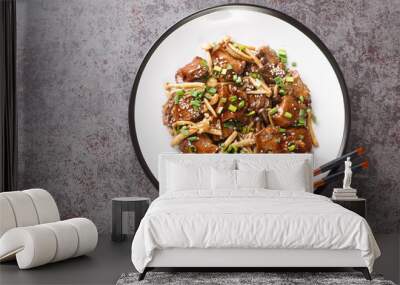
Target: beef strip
[(288, 107), (257, 102), (268, 55), (300, 137), (227, 91), (271, 65), (297, 88), (183, 111), (202, 145), (197, 70), (268, 140), (271, 139)]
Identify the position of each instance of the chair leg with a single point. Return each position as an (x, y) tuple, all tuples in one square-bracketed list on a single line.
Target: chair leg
[(143, 274), (364, 271)]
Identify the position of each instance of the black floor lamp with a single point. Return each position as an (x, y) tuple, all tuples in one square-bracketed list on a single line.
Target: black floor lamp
[(8, 115)]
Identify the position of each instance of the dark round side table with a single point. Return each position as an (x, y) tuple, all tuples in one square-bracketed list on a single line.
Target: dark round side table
[(138, 205)]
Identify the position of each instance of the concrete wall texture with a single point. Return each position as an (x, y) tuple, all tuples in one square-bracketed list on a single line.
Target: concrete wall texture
[(76, 65)]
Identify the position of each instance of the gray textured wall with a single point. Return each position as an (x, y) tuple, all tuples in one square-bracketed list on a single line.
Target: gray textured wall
[(77, 61)]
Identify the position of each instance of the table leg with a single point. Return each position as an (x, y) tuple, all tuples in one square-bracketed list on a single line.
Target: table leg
[(117, 222)]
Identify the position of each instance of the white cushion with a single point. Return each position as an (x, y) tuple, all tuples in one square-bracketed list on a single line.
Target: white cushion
[(45, 205), (23, 208), (88, 235), (181, 177), (223, 179), (251, 178), (32, 246), (282, 174), (192, 174), (7, 220), (67, 239), (26, 208), (40, 244), (168, 181)]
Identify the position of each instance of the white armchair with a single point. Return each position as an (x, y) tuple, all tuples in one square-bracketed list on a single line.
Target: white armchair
[(31, 230)]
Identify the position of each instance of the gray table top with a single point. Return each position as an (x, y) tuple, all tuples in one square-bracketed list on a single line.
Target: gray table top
[(130, 199), (349, 199)]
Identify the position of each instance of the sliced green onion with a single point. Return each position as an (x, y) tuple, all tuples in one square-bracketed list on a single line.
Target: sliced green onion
[(232, 108), (222, 100), (192, 148), (301, 122), (282, 55), (282, 92), (229, 124), (203, 62), (212, 90), (184, 131), (197, 94), (195, 103), (238, 80), (282, 52), (217, 68), (255, 75), (234, 77), (302, 113), (177, 98), (223, 71), (289, 79), (291, 147), (193, 139), (251, 113), (233, 99), (180, 92), (282, 130), (301, 98), (288, 115), (246, 130), (278, 80), (241, 104), (239, 46), (273, 111), (229, 66), (232, 149)]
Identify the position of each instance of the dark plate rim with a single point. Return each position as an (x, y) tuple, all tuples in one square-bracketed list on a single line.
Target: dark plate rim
[(251, 7)]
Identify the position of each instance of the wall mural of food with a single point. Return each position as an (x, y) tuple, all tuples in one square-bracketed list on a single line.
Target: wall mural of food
[(239, 99)]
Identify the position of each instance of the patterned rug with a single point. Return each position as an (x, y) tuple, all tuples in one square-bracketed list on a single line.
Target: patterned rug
[(243, 278)]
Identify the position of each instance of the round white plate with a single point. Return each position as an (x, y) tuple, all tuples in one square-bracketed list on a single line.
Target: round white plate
[(246, 24)]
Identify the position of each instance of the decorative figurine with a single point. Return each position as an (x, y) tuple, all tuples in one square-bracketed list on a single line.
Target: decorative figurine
[(347, 174)]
